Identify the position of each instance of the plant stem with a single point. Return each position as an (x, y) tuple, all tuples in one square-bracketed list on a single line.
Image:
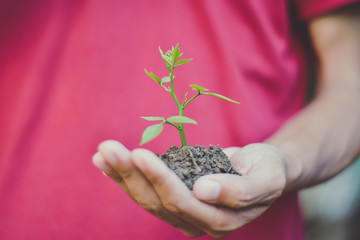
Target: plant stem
[(181, 108), (181, 113), (181, 128)]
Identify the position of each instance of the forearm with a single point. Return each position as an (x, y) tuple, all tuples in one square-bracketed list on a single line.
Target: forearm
[(324, 138), (321, 140)]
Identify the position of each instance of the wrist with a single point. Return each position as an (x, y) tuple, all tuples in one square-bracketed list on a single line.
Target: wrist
[(294, 168), (294, 171)]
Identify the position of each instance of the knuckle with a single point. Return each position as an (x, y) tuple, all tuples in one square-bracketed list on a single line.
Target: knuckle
[(114, 176), (173, 207), (125, 174), (155, 179), (155, 209), (119, 172), (117, 179), (241, 200)]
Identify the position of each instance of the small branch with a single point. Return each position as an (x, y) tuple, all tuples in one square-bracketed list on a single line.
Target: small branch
[(198, 94), (180, 128), (172, 124)]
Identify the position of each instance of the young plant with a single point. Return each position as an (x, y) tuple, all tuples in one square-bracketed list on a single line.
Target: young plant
[(172, 60)]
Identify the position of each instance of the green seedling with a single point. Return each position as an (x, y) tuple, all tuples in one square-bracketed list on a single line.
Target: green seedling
[(172, 60)]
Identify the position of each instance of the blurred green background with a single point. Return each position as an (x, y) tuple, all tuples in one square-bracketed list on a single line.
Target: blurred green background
[(332, 209)]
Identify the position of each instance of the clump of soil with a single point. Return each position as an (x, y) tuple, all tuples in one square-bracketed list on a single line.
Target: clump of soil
[(190, 163)]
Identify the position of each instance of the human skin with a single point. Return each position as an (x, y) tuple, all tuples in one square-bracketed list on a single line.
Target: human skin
[(313, 146)]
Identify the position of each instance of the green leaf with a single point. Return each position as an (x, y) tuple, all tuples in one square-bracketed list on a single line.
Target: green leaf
[(181, 119), (153, 76), (175, 53), (181, 62), (153, 118), (165, 79), (151, 132), (197, 87), (168, 60), (161, 52), (219, 96)]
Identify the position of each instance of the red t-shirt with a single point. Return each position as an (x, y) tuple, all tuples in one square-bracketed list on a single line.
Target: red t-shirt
[(71, 76)]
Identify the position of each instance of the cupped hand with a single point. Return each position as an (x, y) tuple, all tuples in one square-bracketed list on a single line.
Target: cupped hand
[(218, 205)]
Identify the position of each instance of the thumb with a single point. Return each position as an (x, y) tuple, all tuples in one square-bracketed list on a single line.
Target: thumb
[(235, 191), (263, 181)]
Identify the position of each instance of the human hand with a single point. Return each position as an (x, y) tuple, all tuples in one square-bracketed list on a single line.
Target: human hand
[(119, 163), (218, 205)]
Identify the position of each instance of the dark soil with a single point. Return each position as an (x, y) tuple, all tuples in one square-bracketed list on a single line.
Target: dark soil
[(190, 163)]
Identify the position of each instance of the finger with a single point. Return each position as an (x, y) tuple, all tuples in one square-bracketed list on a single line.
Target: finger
[(234, 191), (119, 158), (262, 182), (99, 162), (116, 156), (179, 200), (139, 188), (242, 198), (230, 151)]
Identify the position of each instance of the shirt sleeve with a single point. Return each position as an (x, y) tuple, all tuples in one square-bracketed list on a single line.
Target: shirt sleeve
[(312, 8)]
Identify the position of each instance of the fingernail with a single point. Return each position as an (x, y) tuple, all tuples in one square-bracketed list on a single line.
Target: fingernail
[(207, 190)]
